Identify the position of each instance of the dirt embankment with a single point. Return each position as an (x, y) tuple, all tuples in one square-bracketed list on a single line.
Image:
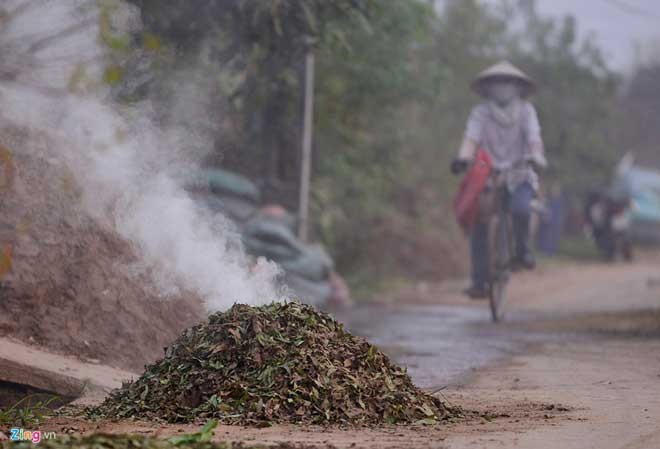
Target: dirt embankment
[(70, 287)]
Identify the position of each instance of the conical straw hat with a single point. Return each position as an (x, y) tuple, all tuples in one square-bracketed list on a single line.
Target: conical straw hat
[(506, 70)]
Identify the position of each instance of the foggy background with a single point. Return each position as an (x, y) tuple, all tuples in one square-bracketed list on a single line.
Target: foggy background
[(627, 30)]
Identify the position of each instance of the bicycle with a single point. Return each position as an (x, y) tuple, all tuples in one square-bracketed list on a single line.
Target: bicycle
[(493, 209), (500, 244)]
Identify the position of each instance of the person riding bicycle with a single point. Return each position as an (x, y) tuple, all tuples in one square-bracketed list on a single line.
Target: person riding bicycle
[(505, 125)]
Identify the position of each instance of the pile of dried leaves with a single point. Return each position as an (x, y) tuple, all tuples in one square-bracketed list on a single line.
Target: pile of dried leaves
[(275, 363)]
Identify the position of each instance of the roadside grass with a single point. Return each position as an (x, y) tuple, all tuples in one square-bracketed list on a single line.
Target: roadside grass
[(27, 412), (578, 248), (204, 435), (367, 286)]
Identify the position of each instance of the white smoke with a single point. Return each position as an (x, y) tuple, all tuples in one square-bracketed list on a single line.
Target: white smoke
[(128, 168)]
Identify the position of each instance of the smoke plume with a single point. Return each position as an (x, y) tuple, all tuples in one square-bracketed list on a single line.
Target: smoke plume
[(130, 167)]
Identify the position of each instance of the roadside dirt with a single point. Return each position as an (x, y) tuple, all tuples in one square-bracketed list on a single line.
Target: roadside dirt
[(515, 414), (611, 387), (606, 368), (71, 286), (558, 288)]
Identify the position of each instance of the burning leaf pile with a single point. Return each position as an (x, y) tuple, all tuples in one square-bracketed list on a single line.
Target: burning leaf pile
[(277, 363)]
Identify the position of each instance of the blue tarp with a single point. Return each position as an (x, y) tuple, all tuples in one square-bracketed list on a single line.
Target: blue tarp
[(643, 186), (224, 182)]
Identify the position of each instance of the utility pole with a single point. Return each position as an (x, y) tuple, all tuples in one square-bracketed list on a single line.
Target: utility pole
[(306, 159)]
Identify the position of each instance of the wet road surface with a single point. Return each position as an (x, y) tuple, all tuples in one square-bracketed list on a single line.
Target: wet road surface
[(439, 344)]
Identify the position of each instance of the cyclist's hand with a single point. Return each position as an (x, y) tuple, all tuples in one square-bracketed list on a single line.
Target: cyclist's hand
[(459, 166), (537, 166)]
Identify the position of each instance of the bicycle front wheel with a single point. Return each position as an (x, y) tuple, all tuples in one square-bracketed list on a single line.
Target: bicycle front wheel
[(500, 270), (498, 289)]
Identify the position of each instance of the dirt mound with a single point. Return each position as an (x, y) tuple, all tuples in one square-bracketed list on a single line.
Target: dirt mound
[(69, 287), (275, 363)]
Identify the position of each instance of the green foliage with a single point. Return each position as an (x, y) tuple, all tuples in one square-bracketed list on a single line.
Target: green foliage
[(639, 114), (27, 412), (113, 75), (205, 434), (362, 94), (579, 248), (151, 42), (576, 99), (392, 113), (268, 23), (392, 98), (258, 49)]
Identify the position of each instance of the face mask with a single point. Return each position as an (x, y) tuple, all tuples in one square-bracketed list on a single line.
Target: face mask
[(503, 92)]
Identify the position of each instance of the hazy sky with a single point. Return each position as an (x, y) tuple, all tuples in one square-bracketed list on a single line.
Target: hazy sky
[(617, 24)]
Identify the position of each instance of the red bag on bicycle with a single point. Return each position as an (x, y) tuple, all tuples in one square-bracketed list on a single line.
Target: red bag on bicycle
[(466, 202)]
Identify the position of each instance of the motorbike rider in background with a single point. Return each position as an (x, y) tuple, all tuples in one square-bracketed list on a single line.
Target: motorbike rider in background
[(607, 214), (505, 125)]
